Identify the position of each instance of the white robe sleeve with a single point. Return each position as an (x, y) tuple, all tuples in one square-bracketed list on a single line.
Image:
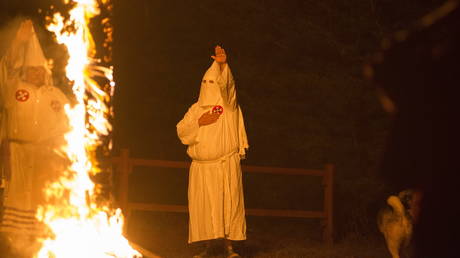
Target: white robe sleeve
[(242, 137), (62, 125), (188, 128), (227, 88)]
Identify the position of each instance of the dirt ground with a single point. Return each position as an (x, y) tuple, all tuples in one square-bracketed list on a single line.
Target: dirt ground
[(165, 234)]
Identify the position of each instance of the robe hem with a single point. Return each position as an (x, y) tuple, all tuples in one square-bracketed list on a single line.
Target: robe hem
[(215, 238)]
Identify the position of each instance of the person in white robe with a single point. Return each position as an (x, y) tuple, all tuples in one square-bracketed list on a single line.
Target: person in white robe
[(33, 123), (213, 128)]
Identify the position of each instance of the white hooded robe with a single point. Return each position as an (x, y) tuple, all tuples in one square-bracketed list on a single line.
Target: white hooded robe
[(215, 193), (32, 126)]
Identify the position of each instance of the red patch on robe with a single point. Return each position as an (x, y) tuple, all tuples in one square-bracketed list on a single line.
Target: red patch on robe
[(22, 95), (217, 110)]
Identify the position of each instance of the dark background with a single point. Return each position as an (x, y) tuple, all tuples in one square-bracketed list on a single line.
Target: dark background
[(298, 71)]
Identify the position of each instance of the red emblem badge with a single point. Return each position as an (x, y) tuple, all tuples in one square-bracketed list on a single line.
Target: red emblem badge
[(22, 95), (217, 110), (56, 105)]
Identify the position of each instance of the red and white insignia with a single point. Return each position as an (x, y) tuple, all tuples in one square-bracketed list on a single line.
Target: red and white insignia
[(217, 110), (56, 105), (22, 95)]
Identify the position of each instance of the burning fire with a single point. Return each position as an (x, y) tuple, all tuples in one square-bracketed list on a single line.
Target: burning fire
[(80, 226)]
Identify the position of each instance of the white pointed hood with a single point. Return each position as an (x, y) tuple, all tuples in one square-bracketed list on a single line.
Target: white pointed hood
[(210, 94), (30, 53), (33, 53)]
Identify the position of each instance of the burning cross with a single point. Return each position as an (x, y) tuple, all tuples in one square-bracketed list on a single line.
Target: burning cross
[(22, 95)]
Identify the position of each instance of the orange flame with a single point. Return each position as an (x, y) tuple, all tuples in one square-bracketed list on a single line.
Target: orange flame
[(79, 226)]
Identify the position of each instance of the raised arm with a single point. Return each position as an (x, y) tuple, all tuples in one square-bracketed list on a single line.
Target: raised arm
[(225, 79)]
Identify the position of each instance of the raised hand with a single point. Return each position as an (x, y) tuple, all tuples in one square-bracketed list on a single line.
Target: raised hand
[(208, 118), (220, 55)]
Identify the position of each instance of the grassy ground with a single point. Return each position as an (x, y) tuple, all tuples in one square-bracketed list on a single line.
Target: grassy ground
[(166, 235)]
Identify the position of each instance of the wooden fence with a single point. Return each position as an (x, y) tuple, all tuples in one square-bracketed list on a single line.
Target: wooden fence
[(125, 164)]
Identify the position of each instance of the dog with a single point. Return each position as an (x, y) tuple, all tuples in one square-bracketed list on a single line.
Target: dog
[(396, 221)]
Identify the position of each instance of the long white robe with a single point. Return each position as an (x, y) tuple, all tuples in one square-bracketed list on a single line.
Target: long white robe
[(215, 193), (33, 124)]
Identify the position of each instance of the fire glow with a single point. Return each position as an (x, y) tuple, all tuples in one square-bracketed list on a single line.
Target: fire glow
[(79, 226)]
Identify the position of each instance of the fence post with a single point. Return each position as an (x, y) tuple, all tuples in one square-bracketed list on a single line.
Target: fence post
[(125, 169), (328, 183)]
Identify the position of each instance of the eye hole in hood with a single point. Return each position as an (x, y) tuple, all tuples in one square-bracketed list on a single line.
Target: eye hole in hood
[(210, 93)]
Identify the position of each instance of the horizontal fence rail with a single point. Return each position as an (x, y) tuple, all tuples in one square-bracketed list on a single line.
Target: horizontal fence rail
[(125, 164)]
